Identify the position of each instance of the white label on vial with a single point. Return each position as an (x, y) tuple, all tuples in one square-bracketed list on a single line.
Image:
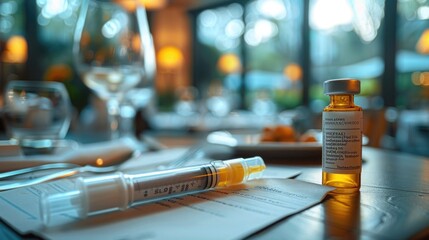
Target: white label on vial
[(342, 142)]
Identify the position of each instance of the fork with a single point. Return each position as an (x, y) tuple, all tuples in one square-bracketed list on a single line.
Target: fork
[(73, 169), (52, 176), (194, 151), (13, 173)]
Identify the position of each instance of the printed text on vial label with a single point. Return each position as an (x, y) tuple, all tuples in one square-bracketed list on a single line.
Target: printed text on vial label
[(342, 141)]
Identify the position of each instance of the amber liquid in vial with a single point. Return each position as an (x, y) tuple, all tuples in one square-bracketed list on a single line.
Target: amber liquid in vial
[(344, 182)]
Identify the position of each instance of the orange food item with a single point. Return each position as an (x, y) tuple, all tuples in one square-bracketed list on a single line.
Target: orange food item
[(307, 138), (285, 133), (268, 135), (279, 133)]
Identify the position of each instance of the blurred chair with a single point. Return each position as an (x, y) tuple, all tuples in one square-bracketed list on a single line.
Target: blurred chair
[(374, 126), (413, 132), (388, 140)]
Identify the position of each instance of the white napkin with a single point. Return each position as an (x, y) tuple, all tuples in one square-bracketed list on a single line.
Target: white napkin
[(111, 152)]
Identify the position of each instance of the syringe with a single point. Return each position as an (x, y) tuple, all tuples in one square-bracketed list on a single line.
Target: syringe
[(119, 191)]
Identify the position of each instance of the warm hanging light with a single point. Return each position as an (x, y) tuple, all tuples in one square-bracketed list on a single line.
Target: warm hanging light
[(154, 4), (229, 63), (16, 50), (170, 57), (293, 71), (423, 43), (130, 5)]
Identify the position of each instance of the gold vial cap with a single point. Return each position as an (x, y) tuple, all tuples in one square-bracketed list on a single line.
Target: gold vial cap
[(341, 86)]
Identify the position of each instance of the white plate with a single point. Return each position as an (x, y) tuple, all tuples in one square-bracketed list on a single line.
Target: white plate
[(250, 145)]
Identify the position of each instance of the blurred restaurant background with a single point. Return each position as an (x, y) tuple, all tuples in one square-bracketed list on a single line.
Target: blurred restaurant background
[(248, 63)]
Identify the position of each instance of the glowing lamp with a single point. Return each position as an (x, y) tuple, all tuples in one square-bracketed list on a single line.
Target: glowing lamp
[(170, 57), (293, 71), (423, 43), (130, 5), (229, 63), (16, 50)]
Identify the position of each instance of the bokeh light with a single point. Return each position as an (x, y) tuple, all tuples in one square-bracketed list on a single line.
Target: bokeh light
[(229, 63), (423, 43), (16, 50), (293, 71), (170, 57)]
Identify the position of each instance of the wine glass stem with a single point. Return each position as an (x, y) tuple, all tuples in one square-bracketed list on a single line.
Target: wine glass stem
[(128, 114), (113, 110)]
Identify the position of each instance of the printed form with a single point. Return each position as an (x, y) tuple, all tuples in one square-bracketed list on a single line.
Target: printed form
[(231, 213)]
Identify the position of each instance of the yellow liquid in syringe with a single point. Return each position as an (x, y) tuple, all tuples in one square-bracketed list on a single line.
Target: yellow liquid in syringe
[(235, 173)]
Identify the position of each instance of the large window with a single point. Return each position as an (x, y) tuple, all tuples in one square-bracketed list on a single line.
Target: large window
[(219, 34), (56, 20), (13, 46), (272, 41), (263, 55), (288, 48), (36, 39), (250, 49), (346, 41), (412, 79)]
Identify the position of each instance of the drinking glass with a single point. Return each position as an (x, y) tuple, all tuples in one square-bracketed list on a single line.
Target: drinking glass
[(141, 95), (109, 51), (36, 113)]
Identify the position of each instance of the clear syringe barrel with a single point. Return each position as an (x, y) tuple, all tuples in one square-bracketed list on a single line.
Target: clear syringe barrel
[(99, 194)]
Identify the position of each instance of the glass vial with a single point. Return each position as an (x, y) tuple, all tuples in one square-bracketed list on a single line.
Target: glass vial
[(342, 123)]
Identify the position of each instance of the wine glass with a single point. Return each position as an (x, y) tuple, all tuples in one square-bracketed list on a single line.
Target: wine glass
[(109, 51), (141, 96)]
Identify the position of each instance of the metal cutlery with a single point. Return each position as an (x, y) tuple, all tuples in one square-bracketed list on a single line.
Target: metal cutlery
[(56, 175), (21, 171), (73, 169)]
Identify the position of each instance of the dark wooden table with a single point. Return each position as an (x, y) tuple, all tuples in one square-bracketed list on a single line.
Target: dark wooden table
[(393, 202)]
